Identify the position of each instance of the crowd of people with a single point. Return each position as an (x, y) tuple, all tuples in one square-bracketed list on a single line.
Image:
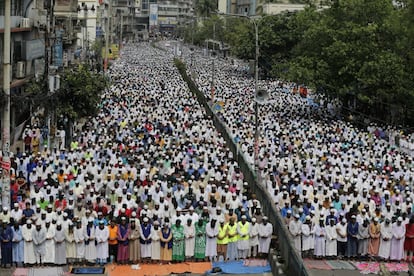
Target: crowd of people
[(342, 191), (148, 179)]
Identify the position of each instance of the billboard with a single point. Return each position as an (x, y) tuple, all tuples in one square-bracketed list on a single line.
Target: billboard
[(153, 17), (58, 49)]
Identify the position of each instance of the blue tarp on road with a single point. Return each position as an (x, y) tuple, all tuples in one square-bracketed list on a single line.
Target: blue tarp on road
[(236, 267)]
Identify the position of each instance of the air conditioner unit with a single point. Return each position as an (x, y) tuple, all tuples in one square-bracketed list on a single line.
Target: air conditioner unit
[(20, 70), (25, 23)]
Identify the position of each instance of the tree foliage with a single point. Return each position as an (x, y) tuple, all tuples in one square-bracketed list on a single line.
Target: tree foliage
[(361, 51), (78, 96), (80, 92)]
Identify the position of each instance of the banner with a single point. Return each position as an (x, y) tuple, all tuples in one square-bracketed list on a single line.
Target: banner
[(153, 17)]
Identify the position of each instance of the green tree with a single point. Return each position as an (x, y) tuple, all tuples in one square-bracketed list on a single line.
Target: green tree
[(204, 8), (352, 52), (80, 92)]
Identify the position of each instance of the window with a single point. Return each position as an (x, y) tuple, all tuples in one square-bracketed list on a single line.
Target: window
[(16, 7)]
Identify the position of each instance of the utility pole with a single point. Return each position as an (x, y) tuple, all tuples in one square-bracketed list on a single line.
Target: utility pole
[(120, 34), (5, 162), (107, 33), (253, 19), (213, 55), (49, 5), (256, 104)]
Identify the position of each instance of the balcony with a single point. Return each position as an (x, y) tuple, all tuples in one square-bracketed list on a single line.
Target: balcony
[(17, 24)]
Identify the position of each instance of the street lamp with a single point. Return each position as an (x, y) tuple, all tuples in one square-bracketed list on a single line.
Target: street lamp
[(213, 72), (254, 20)]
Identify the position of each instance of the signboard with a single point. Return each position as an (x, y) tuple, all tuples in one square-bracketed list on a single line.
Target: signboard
[(58, 49), (153, 17), (99, 31), (33, 49)]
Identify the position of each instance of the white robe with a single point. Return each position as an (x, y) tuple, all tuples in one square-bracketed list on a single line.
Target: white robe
[(80, 242), (155, 244), (102, 236), (331, 244), (295, 229), (320, 235), (211, 240), (90, 248), (397, 242), (265, 237), (60, 247), (385, 246), (28, 252), (50, 244), (307, 237), (254, 234), (189, 233), (70, 245)]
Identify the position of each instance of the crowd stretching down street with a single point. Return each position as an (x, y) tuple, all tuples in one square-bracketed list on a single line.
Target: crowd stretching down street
[(147, 180), (342, 191)]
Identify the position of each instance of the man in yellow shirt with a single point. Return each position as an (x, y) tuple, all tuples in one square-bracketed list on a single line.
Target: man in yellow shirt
[(222, 240), (243, 229), (232, 240)]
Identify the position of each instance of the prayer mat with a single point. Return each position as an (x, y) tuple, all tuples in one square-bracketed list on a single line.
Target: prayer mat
[(316, 264), (255, 262), (397, 267), (368, 267), (340, 265), (158, 269), (46, 271), (20, 271)]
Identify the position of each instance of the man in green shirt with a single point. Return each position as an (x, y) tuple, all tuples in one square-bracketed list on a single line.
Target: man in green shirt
[(200, 240), (178, 250)]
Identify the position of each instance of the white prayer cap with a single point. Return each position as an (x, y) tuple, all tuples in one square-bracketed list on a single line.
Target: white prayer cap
[(400, 219), (179, 209), (134, 214), (145, 219), (253, 219), (296, 216), (29, 221), (5, 208), (243, 217), (344, 220)]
